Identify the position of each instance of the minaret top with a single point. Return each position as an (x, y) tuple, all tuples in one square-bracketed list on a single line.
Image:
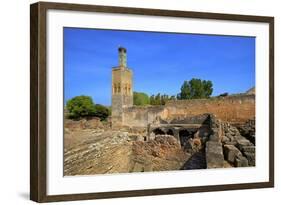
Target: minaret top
[(122, 57), (122, 49)]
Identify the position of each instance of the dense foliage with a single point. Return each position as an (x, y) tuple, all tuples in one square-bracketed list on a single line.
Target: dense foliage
[(196, 89), (101, 112), (193, 89), (83, 106), (141, 98), (160, 99), (80, 106)]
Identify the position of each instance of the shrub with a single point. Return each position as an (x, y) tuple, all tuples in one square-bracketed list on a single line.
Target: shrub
[(141, 98), (80, 106), (101, 112)]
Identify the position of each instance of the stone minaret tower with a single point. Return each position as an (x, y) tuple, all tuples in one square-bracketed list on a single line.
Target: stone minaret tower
[(122, 89)]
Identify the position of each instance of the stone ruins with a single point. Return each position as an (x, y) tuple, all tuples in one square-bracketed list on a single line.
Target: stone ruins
[(221, 128), (218, 132)]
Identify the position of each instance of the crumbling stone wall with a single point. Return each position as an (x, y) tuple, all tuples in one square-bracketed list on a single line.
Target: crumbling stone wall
[(238, 150), (233, 109), (138, 117), (226, 144)]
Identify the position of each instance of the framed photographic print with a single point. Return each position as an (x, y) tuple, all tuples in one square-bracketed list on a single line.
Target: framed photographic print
[(135, 102)]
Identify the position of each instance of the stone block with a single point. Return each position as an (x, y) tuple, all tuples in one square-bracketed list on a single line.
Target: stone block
[(231, 143), (238, 137), (214, 137), (214, 155), (224, 139), (231, 152), (243, 142), (241, 161), (250, 149), (228, 135), (251, 158)]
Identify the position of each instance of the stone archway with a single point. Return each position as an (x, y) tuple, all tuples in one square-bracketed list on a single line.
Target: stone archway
[(158, 131), (184, 135), (170, 132)]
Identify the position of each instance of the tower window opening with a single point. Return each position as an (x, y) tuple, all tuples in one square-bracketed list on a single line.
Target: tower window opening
[(119, 88), (125, 89)]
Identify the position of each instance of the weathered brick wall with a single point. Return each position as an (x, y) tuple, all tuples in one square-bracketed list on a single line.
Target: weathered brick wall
[(234, 109), (140, 116)]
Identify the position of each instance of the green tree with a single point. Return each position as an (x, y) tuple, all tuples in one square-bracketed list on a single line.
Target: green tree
[(109, 109), (172, 97), (164, 99), (185, 91), (101, 112), (158, 99), (152, 100), (80, 106), (141, 98), (208, 88), (196, 89)]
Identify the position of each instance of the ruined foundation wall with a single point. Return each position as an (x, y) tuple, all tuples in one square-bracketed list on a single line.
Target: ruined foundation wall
[(234, 109), (141, 116)]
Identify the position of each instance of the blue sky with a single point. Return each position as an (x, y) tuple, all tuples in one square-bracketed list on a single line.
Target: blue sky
[(160, 61)]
